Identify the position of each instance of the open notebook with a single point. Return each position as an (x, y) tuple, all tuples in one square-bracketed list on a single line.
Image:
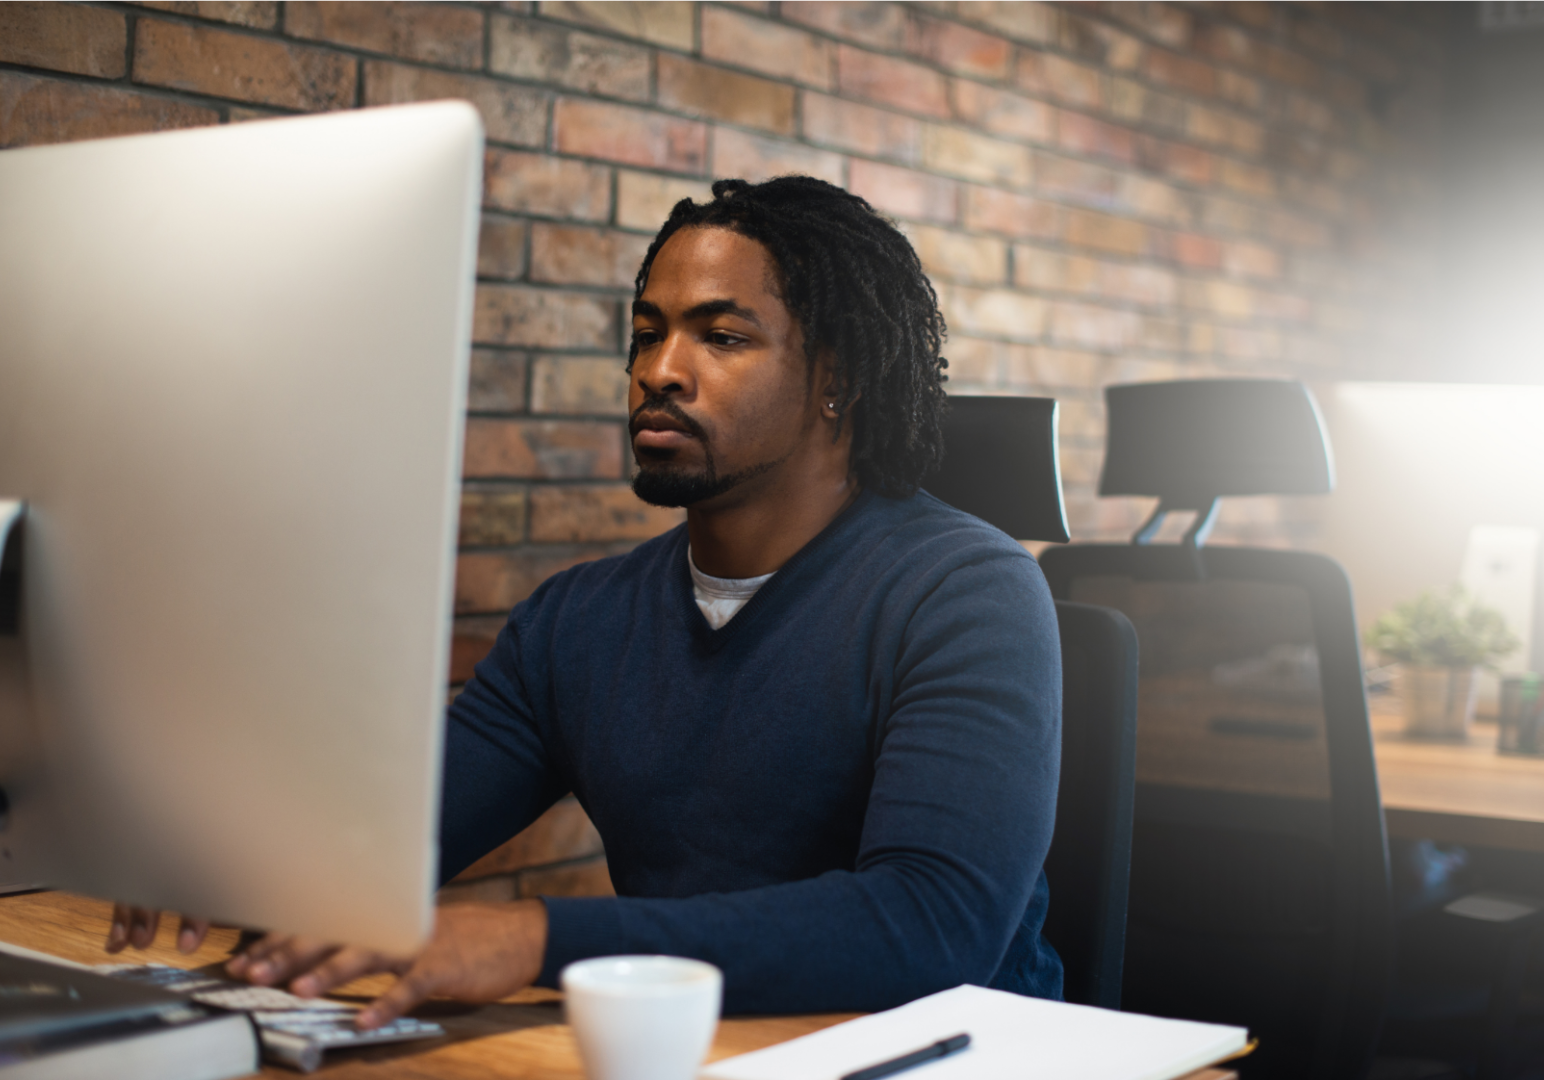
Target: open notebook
[(1012, 1037)]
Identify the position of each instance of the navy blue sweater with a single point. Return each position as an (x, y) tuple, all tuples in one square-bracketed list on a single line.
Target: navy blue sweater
[(842, 798)]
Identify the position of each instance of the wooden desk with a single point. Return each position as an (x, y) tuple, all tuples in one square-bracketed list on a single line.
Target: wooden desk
[(520, 1038), (1458, 792)]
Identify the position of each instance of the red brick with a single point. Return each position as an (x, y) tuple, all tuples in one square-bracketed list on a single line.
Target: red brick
[(952, 256), (262, 15), (902, 192), (433, 33), (1053, 271), (889, 81), (1105, 232), (38, 110), (543, 449), (1164, 23), (1002, 112), (1223, 128), (565, 513), (1250, 179), (220, 63), (1202, 252), (546, 53), (1085, 135), (1318, 37), (1182, 72), (501, 248), (1093, 327), (1228, 44), (1054, 77), (662, 22), (703, 90), (1289, 67), (630, 135), (969, 156), (992, 312), (539, 184), (771, 48), (1100, 42), (1076, 181), (1144, 197), (511, 114), (572, 255), (64, 37), (579, 385), (958, 48), (1019, 216), (644, 200), (861, 128), (1190, 163), (562, 834), (751, 157), (495, 581), (1240, 89), (470, 642), (1035, 23), (880, 25), (492, 517), (519, 315), (1249, 12), (497, 381)]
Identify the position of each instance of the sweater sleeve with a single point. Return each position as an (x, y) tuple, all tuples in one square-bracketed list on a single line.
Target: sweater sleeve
[(497, 775), (958, 823)]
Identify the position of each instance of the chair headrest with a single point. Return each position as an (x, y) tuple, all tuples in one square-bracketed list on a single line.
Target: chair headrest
[(1000, 464), (1193, 440)]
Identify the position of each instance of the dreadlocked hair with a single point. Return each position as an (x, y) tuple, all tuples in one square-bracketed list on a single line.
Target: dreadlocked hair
[(857, 289)]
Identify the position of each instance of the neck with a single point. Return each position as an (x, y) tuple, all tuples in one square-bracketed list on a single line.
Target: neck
[(758, 533)]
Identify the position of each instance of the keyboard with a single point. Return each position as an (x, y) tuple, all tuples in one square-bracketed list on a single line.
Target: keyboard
[(295, 1031)]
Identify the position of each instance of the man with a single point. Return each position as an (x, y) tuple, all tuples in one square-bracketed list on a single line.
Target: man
[(817, 726)]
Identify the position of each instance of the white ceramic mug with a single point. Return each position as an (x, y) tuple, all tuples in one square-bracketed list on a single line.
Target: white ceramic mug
[(642, 1017)]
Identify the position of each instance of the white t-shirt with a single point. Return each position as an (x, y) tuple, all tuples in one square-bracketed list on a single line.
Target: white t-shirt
[(721, 598)]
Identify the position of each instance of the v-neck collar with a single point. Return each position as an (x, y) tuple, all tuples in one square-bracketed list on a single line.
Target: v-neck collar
[(714, 640)]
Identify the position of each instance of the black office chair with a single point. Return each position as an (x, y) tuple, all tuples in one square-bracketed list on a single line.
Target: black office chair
[(1260, 888), (1001, 465)]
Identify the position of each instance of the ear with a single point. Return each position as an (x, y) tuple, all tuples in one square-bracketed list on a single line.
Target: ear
[(831, 387)]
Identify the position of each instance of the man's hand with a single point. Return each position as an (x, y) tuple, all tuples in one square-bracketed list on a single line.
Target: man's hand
[(479, 952), (136, 926)]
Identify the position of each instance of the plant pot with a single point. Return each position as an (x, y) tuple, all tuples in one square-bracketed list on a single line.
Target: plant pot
[(1438, 701)]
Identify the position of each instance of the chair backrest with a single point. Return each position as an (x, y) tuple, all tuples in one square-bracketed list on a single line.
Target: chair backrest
[(1259, 889), (1001, 465), (1089, 864)]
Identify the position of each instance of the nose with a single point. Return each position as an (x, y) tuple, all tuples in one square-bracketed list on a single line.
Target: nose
[(666, 368)]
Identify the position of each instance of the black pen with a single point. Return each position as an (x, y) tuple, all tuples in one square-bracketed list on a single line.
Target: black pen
[(942, 1048)]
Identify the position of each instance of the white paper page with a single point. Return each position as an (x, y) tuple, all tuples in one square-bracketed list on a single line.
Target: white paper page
[(1011, 1038)]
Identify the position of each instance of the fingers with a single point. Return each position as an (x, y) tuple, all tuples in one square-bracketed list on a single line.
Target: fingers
[(118, 929), (278, 961), (134, 926), (343, 966), (192, 934), (407, 992)]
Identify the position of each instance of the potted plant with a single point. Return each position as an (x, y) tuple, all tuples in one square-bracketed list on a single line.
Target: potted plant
[(1440, 640)]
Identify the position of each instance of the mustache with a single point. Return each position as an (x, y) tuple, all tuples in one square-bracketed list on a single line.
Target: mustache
[(658, 404)]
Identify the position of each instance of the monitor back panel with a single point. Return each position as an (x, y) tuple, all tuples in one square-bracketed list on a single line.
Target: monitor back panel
[(232, 382)]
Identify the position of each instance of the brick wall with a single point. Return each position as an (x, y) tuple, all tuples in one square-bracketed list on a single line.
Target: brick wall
[(1101, 192)]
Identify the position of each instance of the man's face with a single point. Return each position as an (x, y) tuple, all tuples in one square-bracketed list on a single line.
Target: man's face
[(721, 393)]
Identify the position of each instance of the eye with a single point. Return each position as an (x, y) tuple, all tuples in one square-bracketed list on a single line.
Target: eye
[(725, 339), (645, 337)]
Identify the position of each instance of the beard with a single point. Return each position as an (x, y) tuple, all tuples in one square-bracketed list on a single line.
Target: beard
[(663, 482), (668, 484)]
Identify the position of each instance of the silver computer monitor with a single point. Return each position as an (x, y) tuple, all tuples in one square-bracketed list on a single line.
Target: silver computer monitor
[(232, 384)]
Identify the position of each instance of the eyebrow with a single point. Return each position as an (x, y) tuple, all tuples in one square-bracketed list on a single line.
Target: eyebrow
[(706, 309)]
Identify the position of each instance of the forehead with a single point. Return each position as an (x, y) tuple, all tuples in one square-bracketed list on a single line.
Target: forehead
[(697, 265)]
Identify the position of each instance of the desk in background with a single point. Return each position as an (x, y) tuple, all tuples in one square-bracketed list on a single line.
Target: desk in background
[(1457, 792), (520, 1038)]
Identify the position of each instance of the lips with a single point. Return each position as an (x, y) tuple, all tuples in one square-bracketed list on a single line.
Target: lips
[(659, 432)]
